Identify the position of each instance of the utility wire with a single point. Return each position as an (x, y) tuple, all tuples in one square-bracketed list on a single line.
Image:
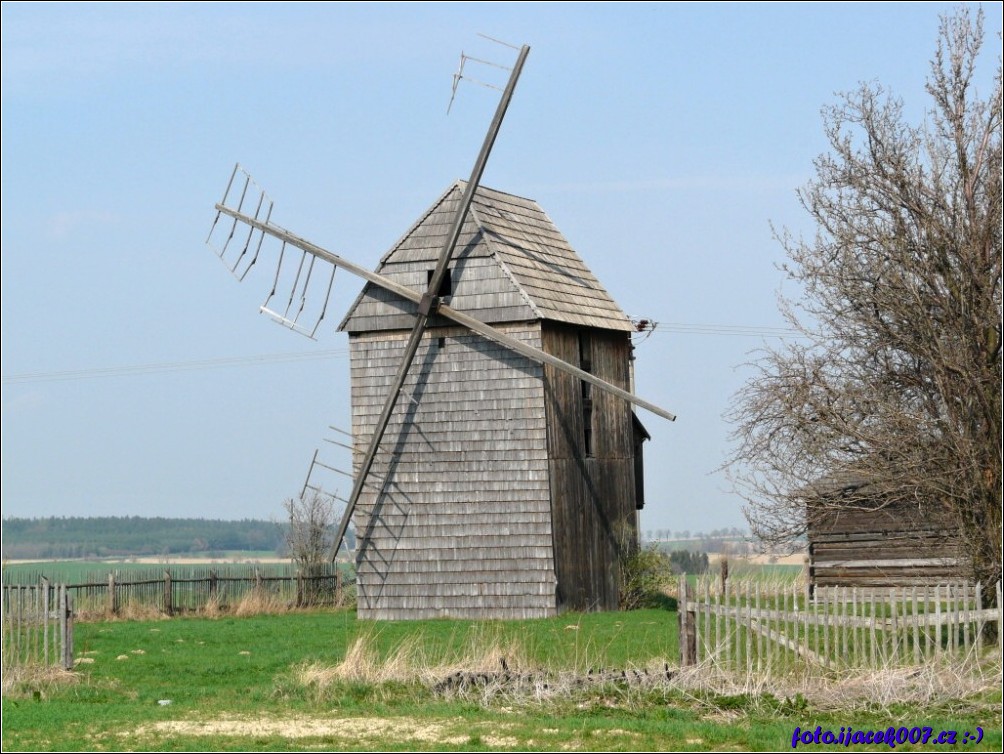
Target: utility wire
[(679, 328), (762, 332), (172, 366)]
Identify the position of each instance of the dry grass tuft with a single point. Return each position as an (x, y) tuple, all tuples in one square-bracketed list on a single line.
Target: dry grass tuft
[(35, 680), (938, 682), (484, 652), (489, 668), (260, 602), (942, 681), (251, 603), (214, 607), (132, 610)]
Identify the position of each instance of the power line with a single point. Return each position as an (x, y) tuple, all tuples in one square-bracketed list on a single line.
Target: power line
[(679, 328), (171, 366), (763, 332)]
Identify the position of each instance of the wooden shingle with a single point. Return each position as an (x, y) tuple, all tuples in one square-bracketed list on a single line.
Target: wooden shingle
[(511, 264)]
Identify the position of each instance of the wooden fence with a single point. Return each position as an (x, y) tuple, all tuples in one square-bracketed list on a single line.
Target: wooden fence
[(746, 626), (37, 626), (187, 589)]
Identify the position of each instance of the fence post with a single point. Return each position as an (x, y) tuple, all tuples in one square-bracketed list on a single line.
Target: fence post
[(168, 596), (18, 621), (981, 625), (687, 644), (66, 627), (810, 593), (69, 630), (112, 605), (964, 616), (916, 628), (299, 587), (682, 617), (338, 586), (212, 585), (1000, 621), (36, 593), (45, 615), (807, 576)]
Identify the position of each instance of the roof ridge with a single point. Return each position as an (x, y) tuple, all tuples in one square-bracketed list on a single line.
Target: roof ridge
[(487, 239), (540, 275), (404, 237), (415, 225), (462, 182)]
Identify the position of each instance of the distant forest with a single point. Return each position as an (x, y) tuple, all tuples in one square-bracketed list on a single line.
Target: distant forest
[(54, 538)]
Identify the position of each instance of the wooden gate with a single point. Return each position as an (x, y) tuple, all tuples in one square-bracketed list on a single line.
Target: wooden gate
[(745, 626)]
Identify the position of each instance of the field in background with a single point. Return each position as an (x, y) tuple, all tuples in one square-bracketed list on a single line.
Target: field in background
[(786, 567), (86, 570)]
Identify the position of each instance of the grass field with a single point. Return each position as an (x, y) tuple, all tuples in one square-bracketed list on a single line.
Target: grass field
[(253, 684)]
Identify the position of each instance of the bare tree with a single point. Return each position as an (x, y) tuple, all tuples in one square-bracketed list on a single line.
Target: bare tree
[(309, 536), (897, 381)]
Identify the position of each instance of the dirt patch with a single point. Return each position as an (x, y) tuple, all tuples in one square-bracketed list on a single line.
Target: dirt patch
[(353, 729)]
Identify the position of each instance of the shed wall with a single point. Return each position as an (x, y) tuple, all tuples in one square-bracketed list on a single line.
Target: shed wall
[(897, 545)]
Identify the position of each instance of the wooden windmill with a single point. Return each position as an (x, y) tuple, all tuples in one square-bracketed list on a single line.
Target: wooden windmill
[(497, 462)]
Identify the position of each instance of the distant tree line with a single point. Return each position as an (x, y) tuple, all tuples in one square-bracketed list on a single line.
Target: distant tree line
[(684, 561), (75, 537), (667, 535)]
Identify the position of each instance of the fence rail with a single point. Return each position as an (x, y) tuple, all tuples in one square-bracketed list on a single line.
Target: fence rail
[(37, 625), (744, 626), (187, 589)]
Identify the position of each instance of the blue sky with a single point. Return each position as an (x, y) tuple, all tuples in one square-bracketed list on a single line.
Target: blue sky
[(663, 140)]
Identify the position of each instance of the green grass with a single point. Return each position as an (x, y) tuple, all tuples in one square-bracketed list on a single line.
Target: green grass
[(243, 672)]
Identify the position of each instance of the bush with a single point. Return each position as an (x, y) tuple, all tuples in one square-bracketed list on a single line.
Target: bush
[(645, 574)]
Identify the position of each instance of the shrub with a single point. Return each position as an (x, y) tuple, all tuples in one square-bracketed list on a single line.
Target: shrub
[(645, 574)]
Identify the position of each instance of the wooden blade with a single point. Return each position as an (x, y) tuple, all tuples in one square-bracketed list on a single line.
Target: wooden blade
[(409, 294), (429, 302), (542, 357)]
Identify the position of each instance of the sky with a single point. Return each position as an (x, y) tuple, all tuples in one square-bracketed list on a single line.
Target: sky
[(665, 141)]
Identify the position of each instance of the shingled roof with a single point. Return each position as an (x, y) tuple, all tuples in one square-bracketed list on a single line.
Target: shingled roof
[(511, 264)]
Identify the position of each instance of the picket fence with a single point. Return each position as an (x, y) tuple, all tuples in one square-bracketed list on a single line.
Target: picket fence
[(37, 625), (748, 626), (185, 589), (37, 619)]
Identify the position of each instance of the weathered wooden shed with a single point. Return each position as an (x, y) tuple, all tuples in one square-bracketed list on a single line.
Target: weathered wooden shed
[(857, 537), (503, 488)]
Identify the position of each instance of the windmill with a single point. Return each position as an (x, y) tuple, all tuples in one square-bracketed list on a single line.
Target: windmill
[(436, 533)]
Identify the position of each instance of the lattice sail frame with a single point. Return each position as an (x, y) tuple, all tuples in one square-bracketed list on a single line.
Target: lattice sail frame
[(299, 277), (243, 192)]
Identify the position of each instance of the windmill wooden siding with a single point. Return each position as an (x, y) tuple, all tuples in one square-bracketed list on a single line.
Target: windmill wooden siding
[(461, 526), (484, 501), (875, 545), (593, 494)]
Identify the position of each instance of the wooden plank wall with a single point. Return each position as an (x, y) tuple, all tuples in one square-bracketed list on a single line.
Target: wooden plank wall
[(458, 521), (592, 498), (898, 545)]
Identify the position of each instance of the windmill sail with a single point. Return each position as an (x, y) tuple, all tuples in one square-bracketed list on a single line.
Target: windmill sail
[(243, 232), (302, 283), (409, 294)]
